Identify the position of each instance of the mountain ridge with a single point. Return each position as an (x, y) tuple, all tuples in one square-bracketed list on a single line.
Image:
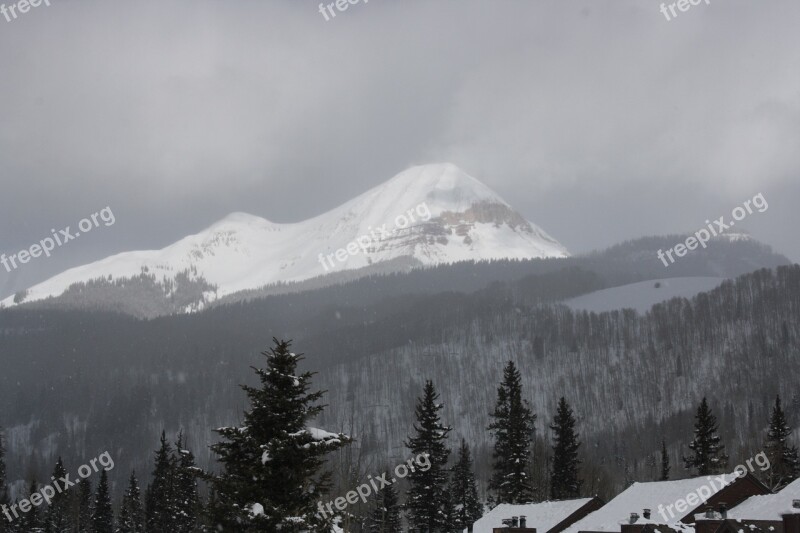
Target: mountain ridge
[(462, 219)]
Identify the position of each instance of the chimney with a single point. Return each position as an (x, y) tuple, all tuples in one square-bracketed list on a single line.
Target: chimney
[(634, 518), (723, 510), (646, 513), (523, 522)]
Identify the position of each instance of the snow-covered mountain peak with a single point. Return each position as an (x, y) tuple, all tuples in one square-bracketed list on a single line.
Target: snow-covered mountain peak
[(238, 218), (442, 186), (425, 215)]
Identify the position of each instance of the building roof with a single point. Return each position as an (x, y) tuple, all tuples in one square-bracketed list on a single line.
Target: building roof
[(640, 496), (651, 526), (543, 516), (769, 506)]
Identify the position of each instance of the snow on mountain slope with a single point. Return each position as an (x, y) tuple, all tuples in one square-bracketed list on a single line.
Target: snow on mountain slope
[(643, 295), (454, 218)]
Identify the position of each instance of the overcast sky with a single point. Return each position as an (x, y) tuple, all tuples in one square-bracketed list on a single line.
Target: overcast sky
[(598, 120)]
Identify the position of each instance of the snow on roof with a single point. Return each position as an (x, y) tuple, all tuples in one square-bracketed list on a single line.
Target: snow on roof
[(640, 496), (768, 506), (708, 515), (542, 516)]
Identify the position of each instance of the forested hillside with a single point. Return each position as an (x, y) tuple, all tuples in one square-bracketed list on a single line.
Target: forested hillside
[(75, 383), (631, 379)]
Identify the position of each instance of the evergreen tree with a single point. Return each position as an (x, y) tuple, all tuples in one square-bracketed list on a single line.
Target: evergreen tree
[(784, 463), (160, 497), (84, 522), (512, 428), (427, 500), (102, 514), (467, 509), (187, 502), (206, 517), (272, 478), (131, 515), (448, 511), (709, 454), (664, 461), (57, 515), (386, 515), (564, 481), (5, 525), (31, 522)]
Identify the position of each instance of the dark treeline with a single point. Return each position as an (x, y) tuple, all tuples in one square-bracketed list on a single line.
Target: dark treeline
[(275, 470)]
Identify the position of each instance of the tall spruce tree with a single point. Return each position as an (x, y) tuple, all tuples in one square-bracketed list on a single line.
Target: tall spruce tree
[(784, 463), (187, 502), (84, 515), (564, 480), (57, 515), (708, 455), (512, 428), (385, 517), (102, 513), (5, 524), (131, 515), (427, 501), (467, 509), (272, 477), (160, 496), (664, 461)]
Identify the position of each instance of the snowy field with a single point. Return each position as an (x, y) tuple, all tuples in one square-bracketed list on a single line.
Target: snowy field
[(643, 295)]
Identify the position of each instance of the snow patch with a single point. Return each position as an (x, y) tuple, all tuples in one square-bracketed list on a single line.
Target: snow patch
[(643, 295), (257, 510)]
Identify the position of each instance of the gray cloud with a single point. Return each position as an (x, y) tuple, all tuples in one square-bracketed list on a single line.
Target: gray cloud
[(598, 120)]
